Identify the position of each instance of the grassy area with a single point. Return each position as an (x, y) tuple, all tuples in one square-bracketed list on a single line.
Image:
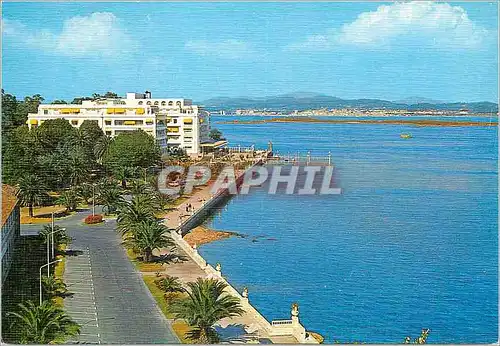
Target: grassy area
[(42, 214), (59, 273), (180, 327)]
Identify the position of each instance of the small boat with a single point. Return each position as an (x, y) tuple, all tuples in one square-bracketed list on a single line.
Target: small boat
[(405, 135)]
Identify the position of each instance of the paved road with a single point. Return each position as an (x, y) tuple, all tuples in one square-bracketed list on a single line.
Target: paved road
[(110, 297)]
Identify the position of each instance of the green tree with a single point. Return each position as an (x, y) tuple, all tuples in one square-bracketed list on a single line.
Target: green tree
[(56, 133), (85, 192), (69, 199), (147, 236), (59, 102), (60, 235), (79, 100), (91, 132), (42, 324), (53, 287), (169, 284), (124, 173), (139, 209), (215, 134), (206, 304), (109, 196), (78, 167), (132, 149), (18, 150), (101, 147), (31, 192)]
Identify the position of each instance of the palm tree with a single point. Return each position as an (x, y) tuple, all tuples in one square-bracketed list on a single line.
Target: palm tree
[(123, 173), (31, 191), (101, 148), (60, 236), (147, 236), (42, 324), (69, 199), (85, 192), (169, 284), (53, 287), (206, 304), (110, 196), (78, 167), (140, 208)]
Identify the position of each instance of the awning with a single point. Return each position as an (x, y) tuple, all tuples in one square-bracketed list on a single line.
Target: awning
[(172, 129), (33, 122), (110, 110), (120, 110), (129, 122), (139, 111), (188, 121)]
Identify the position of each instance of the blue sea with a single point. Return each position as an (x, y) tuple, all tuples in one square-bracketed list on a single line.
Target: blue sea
[(411, 243)]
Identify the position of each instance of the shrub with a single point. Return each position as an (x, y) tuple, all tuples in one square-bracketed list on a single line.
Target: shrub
[(91, 219)]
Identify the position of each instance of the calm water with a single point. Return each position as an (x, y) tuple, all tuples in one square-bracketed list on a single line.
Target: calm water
[(411, 243)]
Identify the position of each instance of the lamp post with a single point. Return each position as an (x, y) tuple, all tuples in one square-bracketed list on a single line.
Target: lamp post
[(52, 236), (93, 199), (40, 275)]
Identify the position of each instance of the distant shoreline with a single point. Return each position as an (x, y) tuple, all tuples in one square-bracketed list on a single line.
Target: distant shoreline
[(414, 122)]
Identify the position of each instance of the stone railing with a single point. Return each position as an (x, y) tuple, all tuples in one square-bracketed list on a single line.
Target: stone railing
[(290, 327)]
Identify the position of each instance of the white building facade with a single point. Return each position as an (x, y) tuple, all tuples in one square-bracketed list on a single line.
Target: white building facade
[(174, 123)]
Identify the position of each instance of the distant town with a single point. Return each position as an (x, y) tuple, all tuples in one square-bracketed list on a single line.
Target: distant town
[(350, 112)]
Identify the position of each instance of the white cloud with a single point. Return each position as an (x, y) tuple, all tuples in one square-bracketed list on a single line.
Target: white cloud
[(226, 49), (97, 34), (422, 23)]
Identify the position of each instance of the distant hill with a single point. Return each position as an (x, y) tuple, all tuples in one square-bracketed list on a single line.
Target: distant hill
[(416, 100), (308, 100)]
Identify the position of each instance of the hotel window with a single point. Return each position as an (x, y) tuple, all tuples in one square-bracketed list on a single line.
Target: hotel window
[(74, 122), (140, 102), (156, 103), (45, 111), (170, 103), (178, 103), (175, 121), (148, 103), (163, 103), (107, 122), (108, 133)]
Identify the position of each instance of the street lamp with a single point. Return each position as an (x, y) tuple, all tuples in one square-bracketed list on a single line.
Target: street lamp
[(40, 275), (52, 238)]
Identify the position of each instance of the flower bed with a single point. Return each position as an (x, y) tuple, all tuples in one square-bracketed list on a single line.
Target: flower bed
[(92, 219)]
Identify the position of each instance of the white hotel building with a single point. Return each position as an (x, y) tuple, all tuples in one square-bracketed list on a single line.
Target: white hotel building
[(173, 122)]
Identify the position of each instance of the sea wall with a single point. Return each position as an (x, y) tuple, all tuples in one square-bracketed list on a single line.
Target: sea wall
[(291, 327)]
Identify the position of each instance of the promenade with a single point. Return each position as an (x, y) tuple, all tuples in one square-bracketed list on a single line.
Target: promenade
[(251, 326)]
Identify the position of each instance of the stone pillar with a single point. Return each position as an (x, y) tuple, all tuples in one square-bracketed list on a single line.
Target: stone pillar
[(195, 249), (245, 295), (218, 268), (329, 158), (295, 314)]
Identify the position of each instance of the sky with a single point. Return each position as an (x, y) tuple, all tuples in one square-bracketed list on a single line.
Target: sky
[(437, 50)]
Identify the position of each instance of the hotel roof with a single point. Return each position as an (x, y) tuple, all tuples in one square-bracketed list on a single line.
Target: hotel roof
[(9, 201)]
